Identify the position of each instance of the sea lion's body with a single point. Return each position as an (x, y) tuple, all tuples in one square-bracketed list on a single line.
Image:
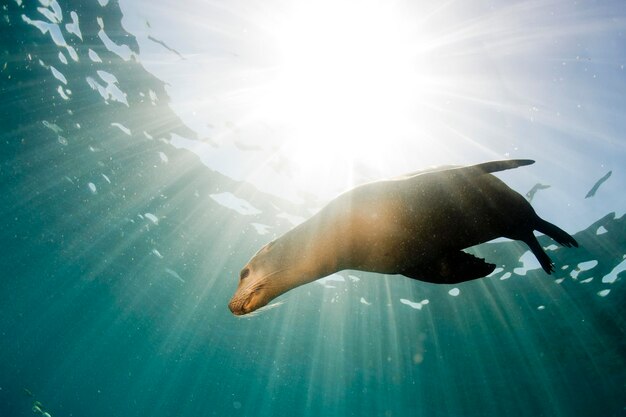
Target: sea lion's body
[(416, 226)]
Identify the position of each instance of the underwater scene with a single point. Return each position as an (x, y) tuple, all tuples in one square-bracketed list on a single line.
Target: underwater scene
[(150, 149)]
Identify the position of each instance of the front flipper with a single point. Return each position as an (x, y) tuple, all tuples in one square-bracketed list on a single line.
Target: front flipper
[(451, 268)]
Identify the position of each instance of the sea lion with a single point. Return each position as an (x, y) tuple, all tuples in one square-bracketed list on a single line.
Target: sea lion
[(415, 225)]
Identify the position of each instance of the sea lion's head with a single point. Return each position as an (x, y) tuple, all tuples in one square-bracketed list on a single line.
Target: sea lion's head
[(260, 281), (298, 257)]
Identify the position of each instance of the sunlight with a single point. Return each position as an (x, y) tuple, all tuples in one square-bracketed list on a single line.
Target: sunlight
[(304, 98), (346, 83)]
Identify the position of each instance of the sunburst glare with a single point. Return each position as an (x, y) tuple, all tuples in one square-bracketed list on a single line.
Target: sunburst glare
[(345, 81), (345, 87)]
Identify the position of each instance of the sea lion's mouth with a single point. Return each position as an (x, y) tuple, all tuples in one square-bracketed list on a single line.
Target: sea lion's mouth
[(239, 312), (242, 306), (243, 309), (238, 308)]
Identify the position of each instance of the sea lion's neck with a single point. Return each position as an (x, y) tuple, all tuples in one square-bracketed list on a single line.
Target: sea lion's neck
[(310, 250)]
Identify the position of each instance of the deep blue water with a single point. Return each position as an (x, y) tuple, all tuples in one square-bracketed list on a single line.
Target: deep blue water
[(117, 265)]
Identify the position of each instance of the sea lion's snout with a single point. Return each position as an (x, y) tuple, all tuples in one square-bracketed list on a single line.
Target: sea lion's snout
[(245, 300), (240, 303), (240, 306), (236, 308)]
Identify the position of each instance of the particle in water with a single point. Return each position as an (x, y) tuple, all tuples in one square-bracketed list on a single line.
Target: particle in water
[(154, 219)]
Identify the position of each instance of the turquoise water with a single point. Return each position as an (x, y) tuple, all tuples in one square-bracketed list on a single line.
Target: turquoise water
[(122, 241)]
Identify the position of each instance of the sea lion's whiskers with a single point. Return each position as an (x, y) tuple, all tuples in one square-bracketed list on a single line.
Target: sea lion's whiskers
[(263, 284), (275, 272), (268, 284)]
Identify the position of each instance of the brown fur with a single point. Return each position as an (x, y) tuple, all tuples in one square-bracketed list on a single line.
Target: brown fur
[(416, 225)]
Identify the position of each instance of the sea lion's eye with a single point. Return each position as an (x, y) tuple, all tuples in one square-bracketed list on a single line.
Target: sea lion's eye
[(244, 273)]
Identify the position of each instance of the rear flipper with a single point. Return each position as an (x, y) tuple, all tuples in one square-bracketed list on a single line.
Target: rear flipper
[(537, 250), (559, 235), (452, 268)]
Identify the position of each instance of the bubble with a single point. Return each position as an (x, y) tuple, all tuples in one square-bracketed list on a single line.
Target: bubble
[(154, 219)]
